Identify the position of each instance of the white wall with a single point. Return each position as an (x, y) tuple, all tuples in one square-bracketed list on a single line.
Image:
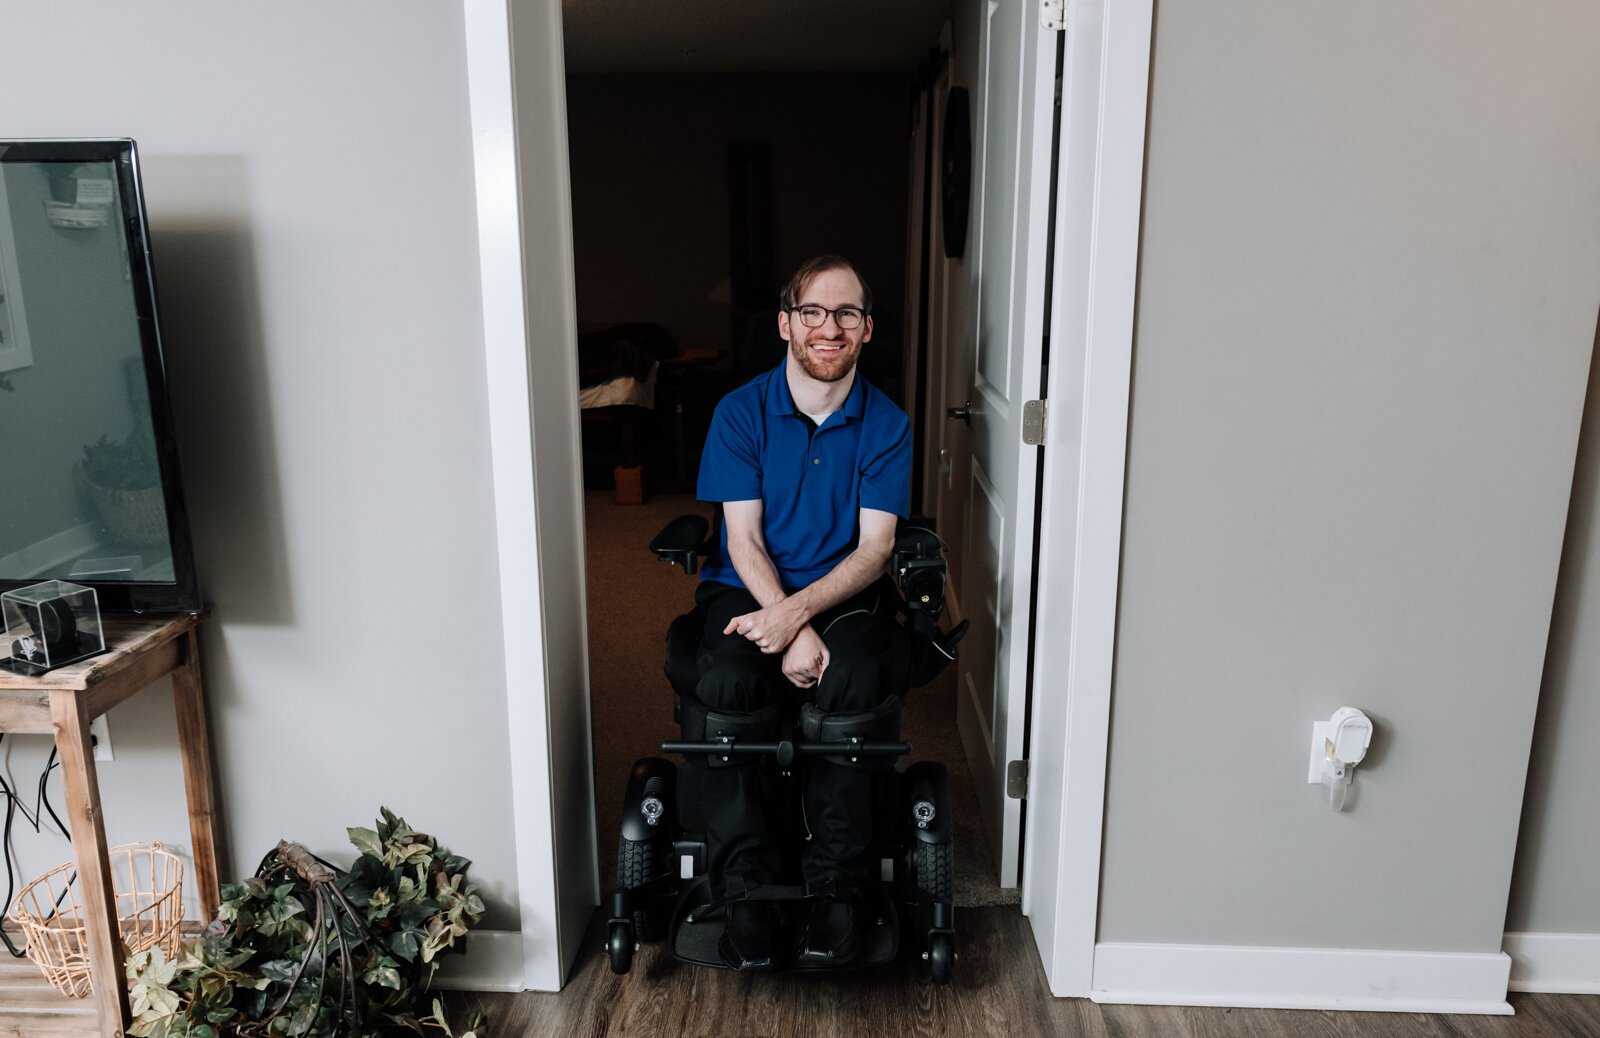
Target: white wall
[(1369, 281), (309, 176)]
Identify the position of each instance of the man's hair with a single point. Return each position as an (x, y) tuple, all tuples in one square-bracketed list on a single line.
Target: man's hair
[(817, 265)]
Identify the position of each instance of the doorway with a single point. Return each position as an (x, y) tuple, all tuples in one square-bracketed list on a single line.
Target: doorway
[(1097, 230), (696, 189)]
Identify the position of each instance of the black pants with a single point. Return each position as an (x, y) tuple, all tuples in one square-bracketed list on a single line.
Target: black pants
[(737, 676)]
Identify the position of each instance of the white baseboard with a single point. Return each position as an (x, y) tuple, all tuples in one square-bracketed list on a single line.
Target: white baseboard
[(493, 962), (1300, 978), (1557, 963)]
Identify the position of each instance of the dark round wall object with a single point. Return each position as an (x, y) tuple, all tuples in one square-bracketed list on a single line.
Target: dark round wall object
[(955, 180)]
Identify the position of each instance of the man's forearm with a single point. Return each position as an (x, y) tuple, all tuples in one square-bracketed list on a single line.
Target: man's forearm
[(784, 618), (755, 569), (854, 573)]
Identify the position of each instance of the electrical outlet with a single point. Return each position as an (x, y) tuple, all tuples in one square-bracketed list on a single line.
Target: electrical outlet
[(1320, 731), (100, 731)]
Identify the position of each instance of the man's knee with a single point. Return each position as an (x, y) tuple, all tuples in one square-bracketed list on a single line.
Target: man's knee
[(729, 682), (852, 681)]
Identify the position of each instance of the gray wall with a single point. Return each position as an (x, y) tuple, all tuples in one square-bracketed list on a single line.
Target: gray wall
[(308, 170), (1369, 281), (1553, 888)]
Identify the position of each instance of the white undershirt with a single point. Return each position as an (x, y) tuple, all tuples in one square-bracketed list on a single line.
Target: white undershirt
[(818, 419)]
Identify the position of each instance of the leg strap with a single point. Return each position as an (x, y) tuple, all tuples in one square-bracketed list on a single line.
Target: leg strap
[(699, 723), (880, 724)]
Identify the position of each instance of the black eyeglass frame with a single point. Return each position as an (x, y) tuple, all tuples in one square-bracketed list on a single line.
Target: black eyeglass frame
[(834, 313)]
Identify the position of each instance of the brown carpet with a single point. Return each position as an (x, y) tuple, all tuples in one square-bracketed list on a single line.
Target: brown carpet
[(632, 599)]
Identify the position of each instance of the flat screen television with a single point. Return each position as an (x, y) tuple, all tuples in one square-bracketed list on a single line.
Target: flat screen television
[(90, 490)]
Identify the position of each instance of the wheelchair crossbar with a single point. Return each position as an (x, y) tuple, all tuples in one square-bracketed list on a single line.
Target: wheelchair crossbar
[(808, 749)]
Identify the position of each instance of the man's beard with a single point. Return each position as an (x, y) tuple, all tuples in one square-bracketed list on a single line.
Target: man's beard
[(821, 368)]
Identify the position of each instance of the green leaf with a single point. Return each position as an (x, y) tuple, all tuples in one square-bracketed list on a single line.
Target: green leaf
[(280, 970), (386, 976), (405, 943), (303, 1019), (366, 841)]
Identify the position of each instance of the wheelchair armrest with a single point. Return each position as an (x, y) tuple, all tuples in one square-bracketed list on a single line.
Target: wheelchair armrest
[(682, 542)]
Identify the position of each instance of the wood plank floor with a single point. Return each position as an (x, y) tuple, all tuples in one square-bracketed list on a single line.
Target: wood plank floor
[(30, 1007), (999, 989)]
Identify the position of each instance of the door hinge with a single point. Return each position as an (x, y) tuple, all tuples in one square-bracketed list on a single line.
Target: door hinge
[(1017, 780), (1053, 14), (1033, 413)]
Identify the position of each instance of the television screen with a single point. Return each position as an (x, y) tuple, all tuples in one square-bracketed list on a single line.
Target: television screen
[(89, 484)]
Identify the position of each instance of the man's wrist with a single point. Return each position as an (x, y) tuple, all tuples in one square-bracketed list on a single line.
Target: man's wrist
[(798, 605)]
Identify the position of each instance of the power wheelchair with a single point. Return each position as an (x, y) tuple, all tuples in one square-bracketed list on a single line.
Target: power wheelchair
[(664, 889)]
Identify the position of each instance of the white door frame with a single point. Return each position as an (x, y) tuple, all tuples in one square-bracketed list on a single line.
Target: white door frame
[(517, 96), (525, 235), (1098, 211)]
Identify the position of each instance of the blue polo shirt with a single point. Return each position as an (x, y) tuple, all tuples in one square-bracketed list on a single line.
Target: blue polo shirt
[(811, 484)]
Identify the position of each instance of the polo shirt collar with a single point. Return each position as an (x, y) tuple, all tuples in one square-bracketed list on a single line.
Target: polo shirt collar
[(780, 401)]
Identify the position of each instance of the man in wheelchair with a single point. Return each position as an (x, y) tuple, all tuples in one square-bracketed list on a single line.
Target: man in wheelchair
[(812, 467), (789, 673)]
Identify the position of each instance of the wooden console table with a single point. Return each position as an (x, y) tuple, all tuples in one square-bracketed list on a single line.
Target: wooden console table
[(62, 703)]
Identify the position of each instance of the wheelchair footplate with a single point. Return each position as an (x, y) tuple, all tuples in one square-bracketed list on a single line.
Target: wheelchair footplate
[(697, 924)]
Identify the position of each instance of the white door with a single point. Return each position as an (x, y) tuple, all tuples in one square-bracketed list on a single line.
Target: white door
[(1012, 141)]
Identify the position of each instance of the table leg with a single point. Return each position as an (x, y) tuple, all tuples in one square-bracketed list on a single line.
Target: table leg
[(194, 742), (69, 713)]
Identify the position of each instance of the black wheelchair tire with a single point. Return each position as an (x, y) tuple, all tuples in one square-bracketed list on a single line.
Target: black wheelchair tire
[(619, 946), (640, 862), (936, 870), (941, 956)]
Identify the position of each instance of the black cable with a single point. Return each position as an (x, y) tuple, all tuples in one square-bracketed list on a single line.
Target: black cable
[(13, 805), (11, 878), (5, 791), (44, 795)]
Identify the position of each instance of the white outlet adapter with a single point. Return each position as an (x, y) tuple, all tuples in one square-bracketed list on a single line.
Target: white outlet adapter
[(1350, 733)]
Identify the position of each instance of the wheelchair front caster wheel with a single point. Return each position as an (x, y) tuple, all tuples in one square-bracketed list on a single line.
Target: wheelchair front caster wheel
[(941, 956), (619, 946)]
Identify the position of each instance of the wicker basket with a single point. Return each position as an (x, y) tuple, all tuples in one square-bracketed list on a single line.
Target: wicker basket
[(148, 882)]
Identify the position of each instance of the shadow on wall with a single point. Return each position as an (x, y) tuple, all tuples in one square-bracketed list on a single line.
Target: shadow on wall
[(1547, 851), (212, 335)]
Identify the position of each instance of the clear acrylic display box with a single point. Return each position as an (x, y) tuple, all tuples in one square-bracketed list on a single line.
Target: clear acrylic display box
[(51, 624)]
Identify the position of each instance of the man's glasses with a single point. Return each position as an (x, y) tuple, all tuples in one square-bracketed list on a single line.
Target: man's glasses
[(849, 317)]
